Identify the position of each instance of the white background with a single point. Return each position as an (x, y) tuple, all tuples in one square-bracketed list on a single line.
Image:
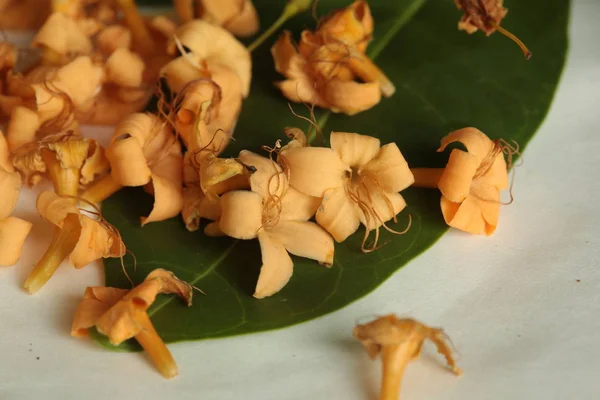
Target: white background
[(524, 326)]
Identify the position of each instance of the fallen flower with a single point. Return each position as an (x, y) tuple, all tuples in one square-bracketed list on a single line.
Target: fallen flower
[(76, 236), (121, 315), (471, 181), (486, 15), (61, 37), (399, 341), (328, 64), (276, 214), (144, 150), (357, 179)]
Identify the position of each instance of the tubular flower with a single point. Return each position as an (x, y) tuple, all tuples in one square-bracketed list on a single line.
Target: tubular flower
[(237, 16), (328, 64), (13, 231), (121, 315), (77, 236), (357, 178), (276, 214), (68, 159), (215, 46), (399, 341), (144, 150), (471, 181), (486, 15)]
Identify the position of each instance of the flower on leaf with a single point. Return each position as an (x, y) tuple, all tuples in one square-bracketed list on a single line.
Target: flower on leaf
[(357, 179), (122, 314), (329, 67), (237, 16), (276, 214)]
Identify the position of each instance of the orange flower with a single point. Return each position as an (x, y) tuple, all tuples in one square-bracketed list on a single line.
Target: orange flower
[(237, 16), (470, 183), (276, 214), (399, 341), (326, 67), (121, 315)]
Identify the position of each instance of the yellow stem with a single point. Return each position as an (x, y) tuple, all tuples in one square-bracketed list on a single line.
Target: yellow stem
[(64, 241), (368, 71), (394, 359), (515, 39), (427, 177), (184, 10), (101, 190), (64, 180), (139, 30), (153, 345), (292, 8)]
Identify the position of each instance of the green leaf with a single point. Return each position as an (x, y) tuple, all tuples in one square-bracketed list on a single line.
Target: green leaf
[(445, 80)]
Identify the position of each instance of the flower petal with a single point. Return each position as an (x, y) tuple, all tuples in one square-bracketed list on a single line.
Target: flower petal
[(351, 97), (277, 267), (305, 239), (54, 208), (338, 214), (389, 169), (124, 68), (5, 162), (241, 214), (10, 185), (455, 182), (62, 35), (128, 163), (268, 178), (381, 206), (297, 206), (96, 301), (95, 241), (13, 232), (313, 170), (465, 216), (354, 150), (476, 142), (22, 127)]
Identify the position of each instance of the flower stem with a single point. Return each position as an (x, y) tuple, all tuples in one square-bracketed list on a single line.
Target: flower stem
[(64, 180), (64, 241), (291, 9), (427, 177), (153, 345), (101, 190), (134, 20), (515, 39), (394, 359)]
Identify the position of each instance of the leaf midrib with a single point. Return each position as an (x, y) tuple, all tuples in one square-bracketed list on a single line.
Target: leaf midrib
[(159, 305)]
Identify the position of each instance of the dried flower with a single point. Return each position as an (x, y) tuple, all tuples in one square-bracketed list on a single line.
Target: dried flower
[(121, 315), (399, 341)]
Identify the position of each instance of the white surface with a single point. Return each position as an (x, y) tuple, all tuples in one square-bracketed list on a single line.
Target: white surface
[(525, 328)]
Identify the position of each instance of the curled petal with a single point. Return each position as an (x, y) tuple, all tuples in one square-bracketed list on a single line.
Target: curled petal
[(267, 177), (113, 37), (62, 35), (287, 60), (497, 174), (95, 241), (352, 25), (96, 301), (354, 150), (54, 208), (80, 80), (22, 127), (215, 45), (305, 239), (95, 164), (129, 166), (465, 216), (241, 214), (277, 267), (182, 70), (338, 214), (10, 185), (124, 68), (237, 16), (476, 142), (351, 97), (455, 182), (5, 162), (197, 205), (313, 170), (13, 232), (389, 169), (167, 181)]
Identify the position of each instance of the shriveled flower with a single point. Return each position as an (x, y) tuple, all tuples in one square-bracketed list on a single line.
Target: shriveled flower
[(471, 181), (144, 150), (329, 68), (237, 16), (357, 178), (215, 46), (399, 341), (77, 236), (68, 159), (123, 314), (276, 214), (61, 37), (486, 15)]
